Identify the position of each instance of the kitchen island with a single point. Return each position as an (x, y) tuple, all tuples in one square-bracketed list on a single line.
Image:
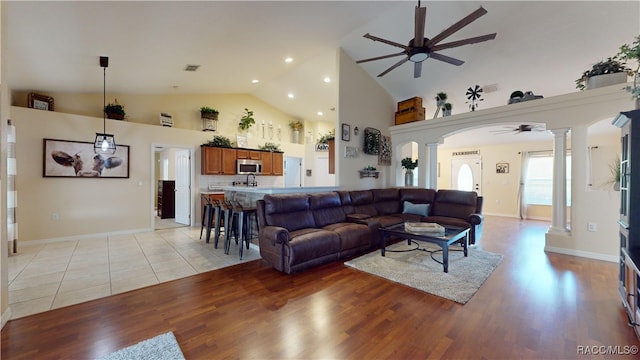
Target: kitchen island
[(248, 195)]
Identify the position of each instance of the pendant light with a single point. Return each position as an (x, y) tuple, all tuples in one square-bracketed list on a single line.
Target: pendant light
[(105, 143)]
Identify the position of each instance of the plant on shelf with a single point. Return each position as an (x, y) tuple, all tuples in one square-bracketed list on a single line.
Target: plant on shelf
[(219, 141), (632, 52), (114, 110), (269, 146), (369, 168), (610, 66), (324, 139), (409, 164), (441, 98), (296, 125), (247, 120), (209, 113)]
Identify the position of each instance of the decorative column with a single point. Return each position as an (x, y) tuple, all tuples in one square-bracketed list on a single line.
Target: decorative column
[(428, 164), (559, 187)]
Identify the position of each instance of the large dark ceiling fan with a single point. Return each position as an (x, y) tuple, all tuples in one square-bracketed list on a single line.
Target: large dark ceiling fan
[(520, 129), (421, 48)]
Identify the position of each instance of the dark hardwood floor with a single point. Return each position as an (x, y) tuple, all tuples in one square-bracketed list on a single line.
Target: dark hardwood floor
[(535, 305)]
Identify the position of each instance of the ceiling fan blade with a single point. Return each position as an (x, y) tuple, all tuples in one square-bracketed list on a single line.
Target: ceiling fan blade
[(447, 59), (381, 57), (388, 42), (417, 70), (468, 41), (421, 15), (457, 26), (393, 67)]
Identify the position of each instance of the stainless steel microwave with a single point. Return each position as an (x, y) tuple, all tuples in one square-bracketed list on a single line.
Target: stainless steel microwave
[(245, 166)]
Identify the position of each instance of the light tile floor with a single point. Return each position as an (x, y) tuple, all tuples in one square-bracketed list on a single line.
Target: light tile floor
[(54, 275)]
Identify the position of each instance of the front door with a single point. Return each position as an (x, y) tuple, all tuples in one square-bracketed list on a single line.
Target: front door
[(466, 174)]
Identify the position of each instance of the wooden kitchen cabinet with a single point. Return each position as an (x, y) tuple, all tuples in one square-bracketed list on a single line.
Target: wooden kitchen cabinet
[(332, 156), (228, 161), (267, 162), (218, 161), (277, 164), (248, 154)]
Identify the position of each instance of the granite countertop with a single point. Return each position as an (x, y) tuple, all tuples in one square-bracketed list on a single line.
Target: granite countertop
[(280, 190)]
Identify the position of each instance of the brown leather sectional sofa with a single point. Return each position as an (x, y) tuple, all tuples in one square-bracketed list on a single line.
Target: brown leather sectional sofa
[(300, 231)]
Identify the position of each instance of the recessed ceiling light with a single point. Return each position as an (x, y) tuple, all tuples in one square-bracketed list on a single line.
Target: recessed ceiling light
[(320, 113), (191, 67), (255, 81), (290, 95), (327, 79), (288, 60)]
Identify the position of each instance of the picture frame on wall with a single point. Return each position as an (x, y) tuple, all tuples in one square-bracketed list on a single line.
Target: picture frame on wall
[(346, 132), (502, 168), (40, 102), (65, 158)]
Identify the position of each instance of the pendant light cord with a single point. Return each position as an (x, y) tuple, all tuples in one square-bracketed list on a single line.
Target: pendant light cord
[(104, 99)]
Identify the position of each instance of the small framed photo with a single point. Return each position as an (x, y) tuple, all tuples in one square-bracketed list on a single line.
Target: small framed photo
[(350, 151), (502, 168), (40, 102), (346, 132)]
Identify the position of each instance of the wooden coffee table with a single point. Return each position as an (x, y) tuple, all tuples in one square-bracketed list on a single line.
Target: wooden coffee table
[(451, 235)]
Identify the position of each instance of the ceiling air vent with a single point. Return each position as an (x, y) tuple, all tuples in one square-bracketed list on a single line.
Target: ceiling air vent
[(191, 67)]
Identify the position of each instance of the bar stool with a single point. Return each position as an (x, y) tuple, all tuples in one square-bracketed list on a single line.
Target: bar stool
[(207, 215), (239, 219)]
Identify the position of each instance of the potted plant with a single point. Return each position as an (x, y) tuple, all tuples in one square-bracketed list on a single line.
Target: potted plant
[(604, 71), (247, 120), (209, 113), (441, 98), (219, 141), (324, 139), (114, 110), (296, 126), (614, 170), (447, 109), (269, 146), (409, 165), (632, 52)]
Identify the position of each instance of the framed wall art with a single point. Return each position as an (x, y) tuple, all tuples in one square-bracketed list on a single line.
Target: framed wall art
[(502, 168), (40, 102), (371, 141), (346, 132), (64, 158)]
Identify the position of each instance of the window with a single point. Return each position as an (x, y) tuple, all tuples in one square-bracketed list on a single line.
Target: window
[(538, 187)]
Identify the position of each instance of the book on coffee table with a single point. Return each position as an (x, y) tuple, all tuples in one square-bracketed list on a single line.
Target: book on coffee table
[(424, 227)]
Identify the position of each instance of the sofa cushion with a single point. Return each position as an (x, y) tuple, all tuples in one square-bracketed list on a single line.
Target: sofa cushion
[(362, 201), (454, 203), (326, 208), (290, 211), (351, 235), (417, 196), (387, 201), (308, 244), (345, 200), (417, 209), (446, 220)]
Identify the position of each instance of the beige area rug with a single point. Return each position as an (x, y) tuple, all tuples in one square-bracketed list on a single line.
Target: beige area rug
[(418, 270), (161, 347)]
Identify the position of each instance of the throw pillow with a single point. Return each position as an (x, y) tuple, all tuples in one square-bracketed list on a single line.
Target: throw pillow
[(417, 209)]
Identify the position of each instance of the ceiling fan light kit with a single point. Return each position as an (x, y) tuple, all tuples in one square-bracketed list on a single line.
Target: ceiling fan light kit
[(421, 48)]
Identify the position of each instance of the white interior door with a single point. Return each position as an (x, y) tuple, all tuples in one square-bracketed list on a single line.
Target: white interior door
[(466, 174), (183, 187), (292, 171)]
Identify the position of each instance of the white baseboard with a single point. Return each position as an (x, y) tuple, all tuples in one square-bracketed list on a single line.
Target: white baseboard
[(6, 316), (82, 237), (584, 254)]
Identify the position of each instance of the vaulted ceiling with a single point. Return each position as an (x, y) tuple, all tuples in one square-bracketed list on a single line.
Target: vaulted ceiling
[(541, 46)]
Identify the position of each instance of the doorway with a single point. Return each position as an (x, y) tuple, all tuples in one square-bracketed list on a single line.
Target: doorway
[(173, 164), (466, 174)]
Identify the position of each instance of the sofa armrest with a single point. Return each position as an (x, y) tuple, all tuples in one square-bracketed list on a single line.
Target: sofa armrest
[(358, 218), (274, 234), (476, 219)]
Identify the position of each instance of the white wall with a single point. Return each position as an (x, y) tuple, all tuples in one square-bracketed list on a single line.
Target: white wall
[(362, 103)]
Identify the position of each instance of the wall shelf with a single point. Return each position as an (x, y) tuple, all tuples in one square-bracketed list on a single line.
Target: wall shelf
[(368, 173)]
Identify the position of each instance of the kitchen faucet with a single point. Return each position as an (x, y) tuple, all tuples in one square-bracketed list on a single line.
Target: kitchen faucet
[(254, 179)]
